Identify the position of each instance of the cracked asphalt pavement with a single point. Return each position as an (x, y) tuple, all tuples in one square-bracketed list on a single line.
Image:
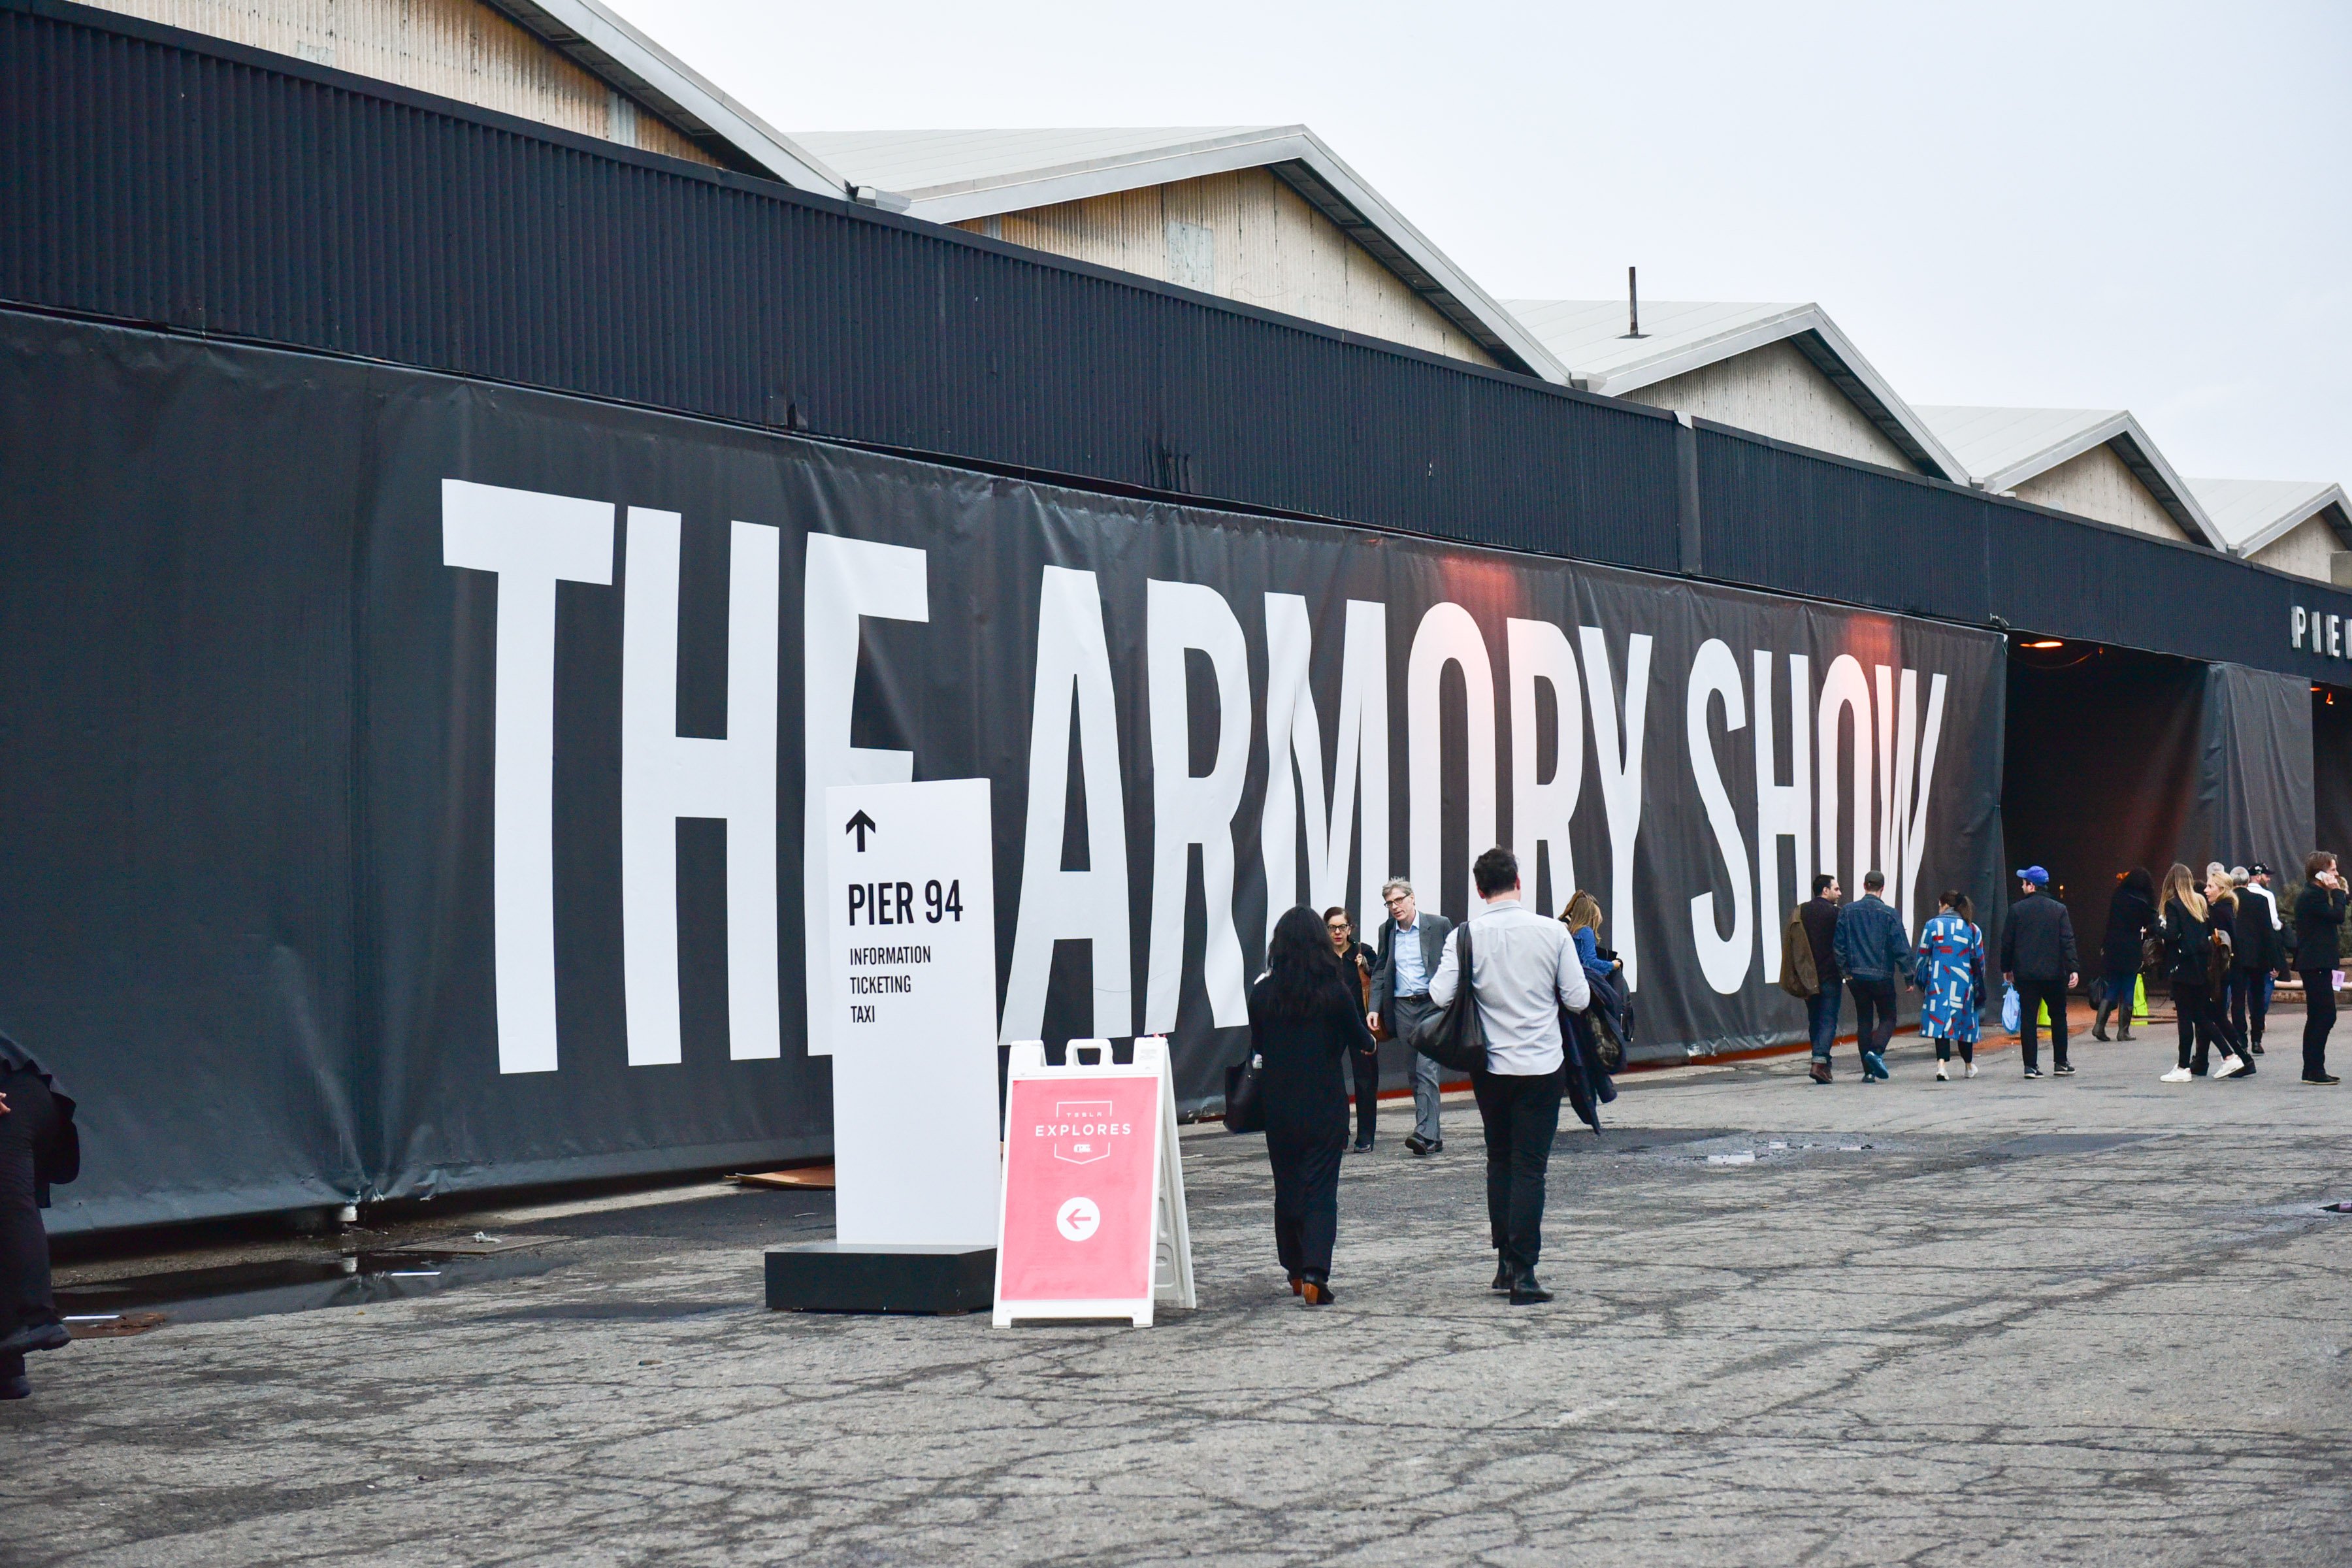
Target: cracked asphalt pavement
[(2096, 1320)]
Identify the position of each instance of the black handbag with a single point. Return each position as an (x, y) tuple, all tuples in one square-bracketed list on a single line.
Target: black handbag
[(1245, 1095), (1453, 1038)]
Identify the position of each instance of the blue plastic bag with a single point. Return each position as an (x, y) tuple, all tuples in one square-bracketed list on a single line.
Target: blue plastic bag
[(2013, 1011)]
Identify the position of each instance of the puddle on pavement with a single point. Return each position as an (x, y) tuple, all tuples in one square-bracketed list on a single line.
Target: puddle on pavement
[(288, 1285)]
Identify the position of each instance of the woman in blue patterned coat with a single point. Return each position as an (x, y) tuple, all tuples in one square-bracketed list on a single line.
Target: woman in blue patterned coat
[(1952, 983)]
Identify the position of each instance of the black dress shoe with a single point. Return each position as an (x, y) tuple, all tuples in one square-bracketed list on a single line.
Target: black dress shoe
[(2320, 1077), (1437, 1146), (1525, 1292), (1316, 1293), (1416, 1143), (36, 1337)]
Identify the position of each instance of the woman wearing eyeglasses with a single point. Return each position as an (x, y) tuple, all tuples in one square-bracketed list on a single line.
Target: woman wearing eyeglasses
[(1356, 962)]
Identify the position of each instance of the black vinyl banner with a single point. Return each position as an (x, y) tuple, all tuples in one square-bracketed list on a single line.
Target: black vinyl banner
[(413, 785)]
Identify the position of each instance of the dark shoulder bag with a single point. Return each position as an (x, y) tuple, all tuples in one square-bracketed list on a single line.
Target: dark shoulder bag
[(1245, 1095), (1453, 1037)]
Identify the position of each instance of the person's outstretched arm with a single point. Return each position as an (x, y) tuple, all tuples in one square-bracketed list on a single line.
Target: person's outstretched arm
[(1448, 978)]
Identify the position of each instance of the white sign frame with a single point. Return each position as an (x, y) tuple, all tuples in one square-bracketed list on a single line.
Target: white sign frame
[(915, 1126), (1172, 1231)]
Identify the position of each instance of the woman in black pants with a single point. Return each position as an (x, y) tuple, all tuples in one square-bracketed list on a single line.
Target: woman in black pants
[(2318, 932), (1303, 1023), (1356, 962), (2131, 915), (2188, 957)]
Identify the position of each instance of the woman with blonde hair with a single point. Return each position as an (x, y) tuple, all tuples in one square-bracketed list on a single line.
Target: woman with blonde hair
[(2188, 943), (1582, 919)]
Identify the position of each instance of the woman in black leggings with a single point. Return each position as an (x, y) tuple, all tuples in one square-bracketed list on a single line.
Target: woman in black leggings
[(2188, 943), (2318, 932)]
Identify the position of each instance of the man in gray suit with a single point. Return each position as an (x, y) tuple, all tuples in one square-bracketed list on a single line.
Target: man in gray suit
[(1401, 997)]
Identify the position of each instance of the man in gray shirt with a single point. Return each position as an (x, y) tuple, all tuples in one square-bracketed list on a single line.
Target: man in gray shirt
[(1523, 970), (1411, 939)]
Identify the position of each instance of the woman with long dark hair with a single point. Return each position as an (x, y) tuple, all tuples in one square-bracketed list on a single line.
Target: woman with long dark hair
[(2131, 918), (1304, 1022)]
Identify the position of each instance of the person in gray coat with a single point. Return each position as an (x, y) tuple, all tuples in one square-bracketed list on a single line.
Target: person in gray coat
[(1411, 941)]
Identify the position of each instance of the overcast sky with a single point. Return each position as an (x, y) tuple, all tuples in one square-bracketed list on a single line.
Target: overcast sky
[(2046, 205)]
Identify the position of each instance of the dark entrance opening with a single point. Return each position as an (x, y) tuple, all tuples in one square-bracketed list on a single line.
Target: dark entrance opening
[(2101, 773), (2331, 772)]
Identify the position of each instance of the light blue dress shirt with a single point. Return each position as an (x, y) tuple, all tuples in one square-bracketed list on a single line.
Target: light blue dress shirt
[(1404, 952)]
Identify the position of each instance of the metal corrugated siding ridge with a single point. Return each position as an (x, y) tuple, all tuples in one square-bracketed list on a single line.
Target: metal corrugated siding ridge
[(164, 178)]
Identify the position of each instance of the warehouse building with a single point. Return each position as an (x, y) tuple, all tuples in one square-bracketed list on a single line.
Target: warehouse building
[(448, 804)]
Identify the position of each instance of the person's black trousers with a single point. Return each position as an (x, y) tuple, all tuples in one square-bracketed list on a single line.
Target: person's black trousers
[(2194, 1011), (1522, 1114), (1870, 1036), (2250, 1006), (2031, 995), (25, 1296), (1366, 1067), (1305, 1198), (2319, 1018)]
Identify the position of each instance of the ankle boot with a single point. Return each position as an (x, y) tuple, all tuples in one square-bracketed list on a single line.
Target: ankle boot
[(2099, 1027)]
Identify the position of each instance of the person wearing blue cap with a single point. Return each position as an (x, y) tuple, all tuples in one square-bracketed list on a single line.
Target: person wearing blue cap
[(2037, 956)]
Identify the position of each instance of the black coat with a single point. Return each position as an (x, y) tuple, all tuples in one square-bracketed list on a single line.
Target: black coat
[(1304, 1097), (2258, 945), (1820, 918), (56, 1159), (2130, 918), (2038, 943), (2188, 944), (2318, 928)]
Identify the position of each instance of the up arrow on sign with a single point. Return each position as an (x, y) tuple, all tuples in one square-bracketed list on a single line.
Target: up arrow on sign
[(861, 825)]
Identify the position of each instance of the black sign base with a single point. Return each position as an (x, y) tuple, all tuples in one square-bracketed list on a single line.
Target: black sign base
[(854, 1276)]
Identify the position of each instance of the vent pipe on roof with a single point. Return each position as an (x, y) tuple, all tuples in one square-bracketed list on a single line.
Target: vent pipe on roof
[(1632, 306)]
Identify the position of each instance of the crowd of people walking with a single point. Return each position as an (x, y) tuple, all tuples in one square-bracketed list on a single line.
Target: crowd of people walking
[(2219, 943)]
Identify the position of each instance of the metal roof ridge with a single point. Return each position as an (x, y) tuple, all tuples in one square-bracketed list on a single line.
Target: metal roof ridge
[(609, 47), (1447, 287), (2118, 427), (1852, 375), (2317, 495)]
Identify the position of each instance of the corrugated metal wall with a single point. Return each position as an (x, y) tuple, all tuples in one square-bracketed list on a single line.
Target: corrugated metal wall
[(158, 177)]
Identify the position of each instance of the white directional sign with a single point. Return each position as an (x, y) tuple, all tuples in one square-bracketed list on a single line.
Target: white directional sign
[(910, 995)]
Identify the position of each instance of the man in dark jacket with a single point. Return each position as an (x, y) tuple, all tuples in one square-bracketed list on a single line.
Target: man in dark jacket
[(37, 1146), (2318, 938), (2257, 951), (1872, 949), (2037, 956), (1819, 915), (1411, 941)]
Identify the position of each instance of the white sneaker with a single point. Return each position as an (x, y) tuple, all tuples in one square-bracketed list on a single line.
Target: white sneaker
[(1971, 1072), (1941, 1075), (2177, 1075), (2232, 1066)]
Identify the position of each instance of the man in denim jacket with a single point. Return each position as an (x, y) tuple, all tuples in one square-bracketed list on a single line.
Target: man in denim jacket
[(1873, 950)]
